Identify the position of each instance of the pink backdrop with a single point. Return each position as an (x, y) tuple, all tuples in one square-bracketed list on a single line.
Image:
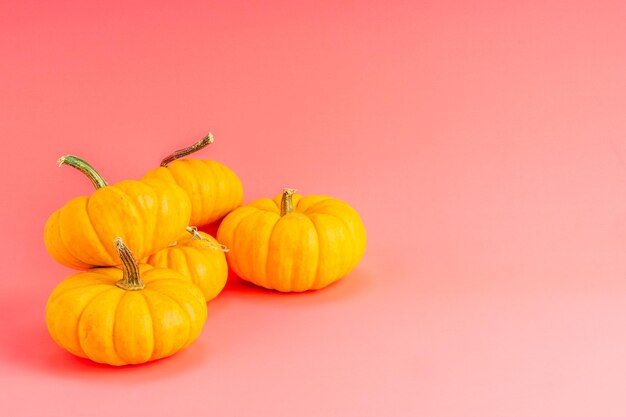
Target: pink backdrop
[(483, 142)]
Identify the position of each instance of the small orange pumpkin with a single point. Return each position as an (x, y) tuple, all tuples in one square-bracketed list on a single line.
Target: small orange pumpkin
[(293, 243), (125, 316), (214, 189), (199, 257), (147, 214)]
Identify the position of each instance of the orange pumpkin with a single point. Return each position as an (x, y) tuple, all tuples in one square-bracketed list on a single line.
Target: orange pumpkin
[(213, 188), (199, 257), (125, 316), (147, 214), (293, 243)]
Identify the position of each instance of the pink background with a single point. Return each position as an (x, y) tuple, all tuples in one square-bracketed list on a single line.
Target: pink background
[(483, 142)]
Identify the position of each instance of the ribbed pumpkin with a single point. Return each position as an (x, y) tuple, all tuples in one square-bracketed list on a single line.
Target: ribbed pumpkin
[(293, 243), (125, 316), (147, 214), (199, 257), (214, 189)]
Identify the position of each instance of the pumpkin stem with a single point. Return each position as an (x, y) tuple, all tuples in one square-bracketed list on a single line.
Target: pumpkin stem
[(286, 203), (85, 168), (194, 233), (131, 280), (205, 141)]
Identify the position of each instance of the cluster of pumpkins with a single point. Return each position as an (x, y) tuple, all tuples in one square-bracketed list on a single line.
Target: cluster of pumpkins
[(147, 272)]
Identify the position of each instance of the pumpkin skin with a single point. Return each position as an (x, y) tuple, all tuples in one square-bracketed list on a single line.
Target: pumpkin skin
[(213, 189), (148, 215), (316, 244), (91, 317), (200, 258)]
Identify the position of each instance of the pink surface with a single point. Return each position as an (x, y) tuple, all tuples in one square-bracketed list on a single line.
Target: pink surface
[(484, 145)]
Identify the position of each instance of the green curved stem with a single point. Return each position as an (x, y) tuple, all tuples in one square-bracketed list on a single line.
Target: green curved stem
[(195, 235), (205, 141), (131, 278), (193, 230), (85, 168), (286, 203)]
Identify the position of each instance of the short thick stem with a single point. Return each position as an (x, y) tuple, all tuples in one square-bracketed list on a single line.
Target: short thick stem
[(181, 153), (131, 278), (85, 168), (286, 203)]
